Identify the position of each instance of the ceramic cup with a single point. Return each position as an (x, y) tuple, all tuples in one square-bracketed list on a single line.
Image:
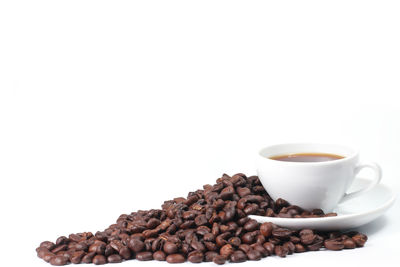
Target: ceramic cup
[(313, 185)]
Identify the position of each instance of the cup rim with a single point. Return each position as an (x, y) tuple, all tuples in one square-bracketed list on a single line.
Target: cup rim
[(354, 153)]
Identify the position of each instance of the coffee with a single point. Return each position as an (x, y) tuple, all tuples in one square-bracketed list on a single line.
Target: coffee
[(210, 224), (307, 157)]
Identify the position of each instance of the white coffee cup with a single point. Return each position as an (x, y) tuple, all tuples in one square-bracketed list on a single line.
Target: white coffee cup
[(312, 185)]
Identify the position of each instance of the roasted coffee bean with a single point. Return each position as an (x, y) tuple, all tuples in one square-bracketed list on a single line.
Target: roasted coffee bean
[(159, 255), (48, 256), (251, 225), (61, 240), (307, 239), (226, 250), (248, 238), (221, 239), (227, 193), (77, 256), (125, 253), (170, 248), (135, 245), (360, 239), (238, 256), (144, 256), (58, 260), (289, 246), (235, 241), (114, 258), (209, 237), (203, 230), (99, 259), (153, 223), (317, 244), (254, 255), (280, 251), (266, 229), (82, 246), (269, 247), (175, 258), (299, 248), (88, 257), (349, 243), (48, 245), (333, 244), (219, 260), (196, 245), (209, 256), (210, 246), (195, 257), (281, 233), (201, 220), (59, 248), (260, 239)]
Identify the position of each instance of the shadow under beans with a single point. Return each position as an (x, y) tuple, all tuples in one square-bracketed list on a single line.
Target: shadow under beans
[(373, 227)]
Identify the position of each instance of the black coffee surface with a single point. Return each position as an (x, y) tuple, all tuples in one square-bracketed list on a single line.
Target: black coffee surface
[(307, 157)]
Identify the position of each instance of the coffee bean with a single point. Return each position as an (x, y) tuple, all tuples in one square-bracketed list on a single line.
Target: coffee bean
[(333, 244), (175, 258), (135, 245), (219, 260), (248, 238), (238, 256), (307, 239), (281, 233), (58, 260), (170, 248), (195, 257), (48, 256), (209, 256), (61, 240), (251, 225), (235, 241), (88, 257), (48, 245), (317, 243), (77, 256), (227, 193), (360, 239), (254, 255), (114, 258), (99, 259), (81, 246), (243, 191), (280, 251), (289, 246), (125, 253), (299, 248), (144, 256), (59, 248), (349, 243), (266, 229), (226, 250), (153, 223), (98, 247), (159, 255)]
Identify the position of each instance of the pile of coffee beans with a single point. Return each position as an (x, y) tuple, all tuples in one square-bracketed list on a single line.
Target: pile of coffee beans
[(210, 224)]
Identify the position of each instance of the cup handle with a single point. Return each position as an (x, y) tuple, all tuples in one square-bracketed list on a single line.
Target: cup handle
[(376, 179)]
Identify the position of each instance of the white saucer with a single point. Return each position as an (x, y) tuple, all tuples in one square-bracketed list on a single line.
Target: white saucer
[(352, 213)]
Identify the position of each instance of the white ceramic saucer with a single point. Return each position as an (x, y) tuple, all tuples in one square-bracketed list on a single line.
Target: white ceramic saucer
[(352, 213)]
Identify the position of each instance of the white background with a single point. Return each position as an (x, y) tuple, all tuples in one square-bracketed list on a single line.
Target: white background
[(107, 107)]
